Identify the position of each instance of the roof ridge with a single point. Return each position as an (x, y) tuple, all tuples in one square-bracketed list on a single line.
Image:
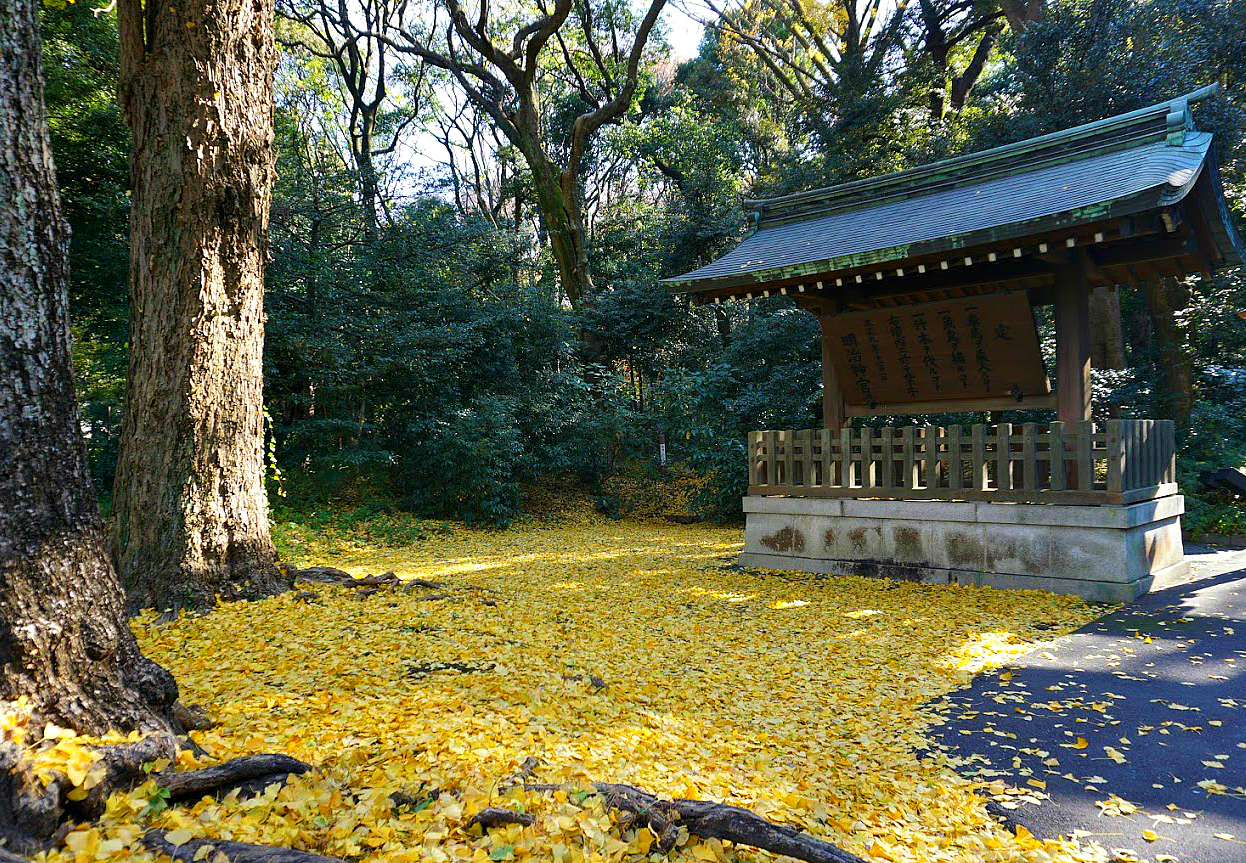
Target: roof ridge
[(1164, 121)]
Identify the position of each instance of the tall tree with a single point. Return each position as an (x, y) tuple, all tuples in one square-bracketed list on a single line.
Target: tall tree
[(191, 519), (65, 643), (587, 43), (1165, 298), (949, 29), (355, 40)]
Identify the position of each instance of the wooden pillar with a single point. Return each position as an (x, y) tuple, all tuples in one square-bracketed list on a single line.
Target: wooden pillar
[(1072, 309), (832, 399)]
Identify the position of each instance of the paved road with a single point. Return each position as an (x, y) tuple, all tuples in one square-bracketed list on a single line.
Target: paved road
[(1147, 704)]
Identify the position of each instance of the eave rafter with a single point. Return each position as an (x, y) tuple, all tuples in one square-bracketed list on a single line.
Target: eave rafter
[(1117, 250)]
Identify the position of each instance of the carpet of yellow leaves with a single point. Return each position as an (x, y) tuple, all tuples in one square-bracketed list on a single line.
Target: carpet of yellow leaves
[(801, 698)]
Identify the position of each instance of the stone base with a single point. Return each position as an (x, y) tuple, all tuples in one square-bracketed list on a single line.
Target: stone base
[(1104, 553)]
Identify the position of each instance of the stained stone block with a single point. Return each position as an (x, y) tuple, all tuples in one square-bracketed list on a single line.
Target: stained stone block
[(1105, 553)]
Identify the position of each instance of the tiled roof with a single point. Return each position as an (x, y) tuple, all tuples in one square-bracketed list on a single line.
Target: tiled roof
[(1122, 165)]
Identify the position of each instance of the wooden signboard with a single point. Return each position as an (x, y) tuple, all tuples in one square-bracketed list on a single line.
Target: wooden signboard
[(972, 353)]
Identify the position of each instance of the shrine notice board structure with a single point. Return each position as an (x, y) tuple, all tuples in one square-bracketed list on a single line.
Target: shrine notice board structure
[(925, 283)]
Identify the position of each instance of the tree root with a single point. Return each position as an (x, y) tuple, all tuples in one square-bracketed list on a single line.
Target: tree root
[(33, 813), (713, 821), (366, 585), (322, 574), (35, 816), (191, 717), (251, 774), (413, 583), (235, 852), (700, 818), (495, 816)]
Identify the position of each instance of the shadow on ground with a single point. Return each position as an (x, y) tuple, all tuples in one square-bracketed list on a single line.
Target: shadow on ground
[(1147, 705)]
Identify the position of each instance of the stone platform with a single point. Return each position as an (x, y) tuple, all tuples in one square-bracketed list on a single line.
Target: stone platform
[(1104, 553)]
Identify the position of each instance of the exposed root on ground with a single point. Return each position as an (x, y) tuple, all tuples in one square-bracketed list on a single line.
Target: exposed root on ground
[(700, 818), (36, 812), (522, 775), (191, 717), (234, 852), (708, 820), (250, 774), (431, 597), (495, 816), (366, 586)]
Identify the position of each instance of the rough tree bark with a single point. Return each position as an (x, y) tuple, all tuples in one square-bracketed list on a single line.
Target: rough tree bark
[(1107, 342), (190, 510), (1022, 13), (65, 644), (1174, 363), (557, 192)]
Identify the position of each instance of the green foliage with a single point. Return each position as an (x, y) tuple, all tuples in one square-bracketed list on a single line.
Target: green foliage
[(90, 143), (371, 525), (467, 463), (428, 368)]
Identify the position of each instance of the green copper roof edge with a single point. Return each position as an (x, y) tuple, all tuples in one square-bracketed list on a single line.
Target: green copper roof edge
[(1174, 194), (1235, 250), (1173, 112), (1139, 202)]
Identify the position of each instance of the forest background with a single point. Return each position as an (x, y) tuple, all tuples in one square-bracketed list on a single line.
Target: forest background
[(423, 354)]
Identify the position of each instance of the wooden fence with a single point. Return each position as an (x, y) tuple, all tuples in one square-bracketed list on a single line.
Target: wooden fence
[(1116, 462)]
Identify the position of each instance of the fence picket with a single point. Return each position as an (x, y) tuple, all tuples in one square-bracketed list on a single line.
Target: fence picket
[(867, 458), (930, 454), (1029, 458), (978, 457), (1116, 456), (887, 451), (826, 475), (1085, 456), (1003, 457), (845, 457), (1055, 452), (772, 457), (955, 476), (1170, 447), (910, 464), (803, 443)]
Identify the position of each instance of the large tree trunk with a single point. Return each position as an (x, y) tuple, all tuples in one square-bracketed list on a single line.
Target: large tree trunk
[(1107, 342), (65, 644), (1174, 361), (556, 195), (191, 517)]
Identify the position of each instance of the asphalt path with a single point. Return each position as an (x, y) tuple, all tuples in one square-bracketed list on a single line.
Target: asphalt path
[(1131, 731)]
